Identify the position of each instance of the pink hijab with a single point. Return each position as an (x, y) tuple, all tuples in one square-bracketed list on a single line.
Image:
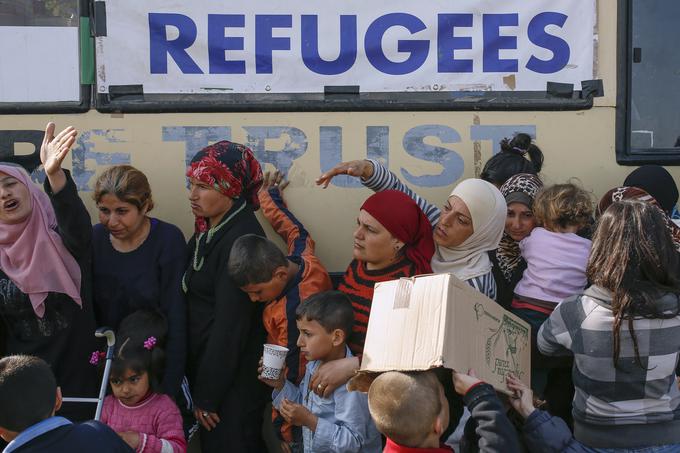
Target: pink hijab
[(32, 253)]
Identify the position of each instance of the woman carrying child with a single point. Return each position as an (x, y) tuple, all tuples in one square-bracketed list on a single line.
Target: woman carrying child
[(45, 238), (508, 265), (147, 420), (138, 262), (225, 333), (624, 332)]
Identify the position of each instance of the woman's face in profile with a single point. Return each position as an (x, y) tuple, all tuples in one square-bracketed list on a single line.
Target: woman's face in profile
[(455, 223), (15, 200), (373, 244)]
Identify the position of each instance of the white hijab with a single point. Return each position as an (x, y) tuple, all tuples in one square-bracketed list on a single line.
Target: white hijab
[(488, 210)]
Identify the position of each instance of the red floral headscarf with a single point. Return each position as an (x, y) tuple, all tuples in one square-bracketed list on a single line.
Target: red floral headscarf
[(231, 169)]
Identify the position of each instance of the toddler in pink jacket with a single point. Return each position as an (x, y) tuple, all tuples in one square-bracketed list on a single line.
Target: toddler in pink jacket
[(147, 421)]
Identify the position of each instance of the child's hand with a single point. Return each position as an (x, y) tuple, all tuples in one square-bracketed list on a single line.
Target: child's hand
[(273, 383), (297, 414), (274, 180), (131, 438), (523, 399), (463, 382)]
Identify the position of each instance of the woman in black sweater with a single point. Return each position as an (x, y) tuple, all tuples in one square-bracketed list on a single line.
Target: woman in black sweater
[(226, 333), (45, 303)]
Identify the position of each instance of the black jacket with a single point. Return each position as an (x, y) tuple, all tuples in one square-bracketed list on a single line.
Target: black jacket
[(226, 332)]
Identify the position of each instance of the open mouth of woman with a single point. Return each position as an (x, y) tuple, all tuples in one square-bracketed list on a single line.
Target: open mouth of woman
[(10, 205)]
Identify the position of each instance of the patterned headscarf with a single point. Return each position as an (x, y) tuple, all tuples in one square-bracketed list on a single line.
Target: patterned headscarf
[(635, 193), (231, 169), (520, 188)]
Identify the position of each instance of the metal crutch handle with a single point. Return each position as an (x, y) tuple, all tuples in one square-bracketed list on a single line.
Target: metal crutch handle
[(105, 332)]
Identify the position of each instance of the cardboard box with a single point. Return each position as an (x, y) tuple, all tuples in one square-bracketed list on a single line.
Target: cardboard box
[(439, 321)]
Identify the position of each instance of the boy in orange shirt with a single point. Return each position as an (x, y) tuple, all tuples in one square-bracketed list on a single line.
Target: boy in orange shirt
[(262, 270)]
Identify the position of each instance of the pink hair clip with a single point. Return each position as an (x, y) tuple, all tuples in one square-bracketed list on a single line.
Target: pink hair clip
[(150, 343), (96, 356)]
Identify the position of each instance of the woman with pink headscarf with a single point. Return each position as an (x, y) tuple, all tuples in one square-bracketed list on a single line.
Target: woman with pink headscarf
[(44, 260)]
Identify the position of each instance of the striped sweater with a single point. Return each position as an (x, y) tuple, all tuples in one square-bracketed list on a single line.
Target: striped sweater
[(358, 283), (628, 406), (383, 179)]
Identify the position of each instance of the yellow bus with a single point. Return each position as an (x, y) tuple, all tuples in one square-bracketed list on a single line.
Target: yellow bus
[(428, 88)]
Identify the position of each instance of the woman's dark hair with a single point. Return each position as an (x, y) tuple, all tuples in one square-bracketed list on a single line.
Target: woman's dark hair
[(140, 346), (513, 160), (633, 256)]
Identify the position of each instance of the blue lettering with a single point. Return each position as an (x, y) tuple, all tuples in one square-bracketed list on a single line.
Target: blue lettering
[(310, 46), (494, 42), (195, 138), (414, 144), (294, 147), (330, 141), (266, 43), (417, 49), (555, 44), (447, 43), (83, 152), (218, 43), (160, 47)]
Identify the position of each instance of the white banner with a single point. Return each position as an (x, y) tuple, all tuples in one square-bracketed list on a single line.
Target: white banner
[(301, 46)]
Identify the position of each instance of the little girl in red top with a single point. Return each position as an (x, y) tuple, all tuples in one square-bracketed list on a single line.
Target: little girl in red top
[(148, 421)]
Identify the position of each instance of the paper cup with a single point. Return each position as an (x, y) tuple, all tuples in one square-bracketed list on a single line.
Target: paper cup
[(273, 359)]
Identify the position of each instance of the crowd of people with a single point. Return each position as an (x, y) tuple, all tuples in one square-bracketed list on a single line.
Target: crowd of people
[(598, 283)]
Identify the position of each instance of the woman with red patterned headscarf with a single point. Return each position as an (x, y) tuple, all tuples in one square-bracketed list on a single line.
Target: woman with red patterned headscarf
[(225, 329)]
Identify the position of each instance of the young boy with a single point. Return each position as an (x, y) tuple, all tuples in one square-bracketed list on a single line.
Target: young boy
[(260, 269), (411, 410), (29, 397), (341, 422)]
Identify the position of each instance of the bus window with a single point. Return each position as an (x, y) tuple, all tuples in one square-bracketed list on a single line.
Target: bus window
[(39, 49), (652, 116)]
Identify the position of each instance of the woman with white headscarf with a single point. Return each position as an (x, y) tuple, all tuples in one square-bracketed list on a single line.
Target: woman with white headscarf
[(468, 226)]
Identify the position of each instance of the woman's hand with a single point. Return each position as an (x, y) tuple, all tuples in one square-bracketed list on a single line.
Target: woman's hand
[(359, 168), (523, 399), (209, 420), (52, 154), (332, 375), (274, 180)]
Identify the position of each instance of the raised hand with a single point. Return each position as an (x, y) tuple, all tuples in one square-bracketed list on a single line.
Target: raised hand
[(463, 382), (523, 398), (275, 179), (52, 154), (54, 149), (358, 168)]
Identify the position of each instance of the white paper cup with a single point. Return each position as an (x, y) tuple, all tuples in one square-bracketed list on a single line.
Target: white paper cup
[(273, 359)]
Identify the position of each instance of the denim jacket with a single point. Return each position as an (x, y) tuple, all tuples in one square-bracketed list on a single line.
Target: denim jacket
[(344, 424)]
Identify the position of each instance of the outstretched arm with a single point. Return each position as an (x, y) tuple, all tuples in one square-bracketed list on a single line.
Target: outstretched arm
[(378, 178)]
